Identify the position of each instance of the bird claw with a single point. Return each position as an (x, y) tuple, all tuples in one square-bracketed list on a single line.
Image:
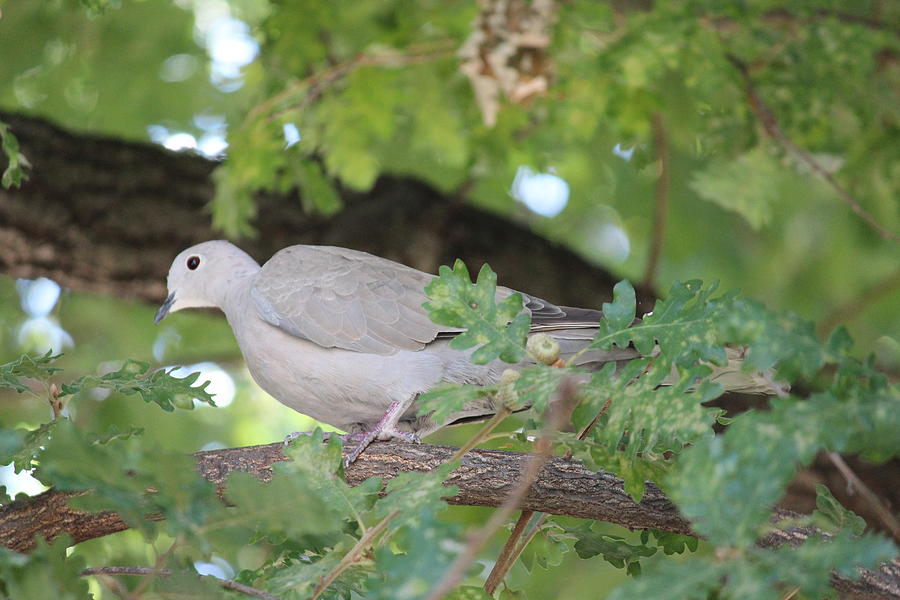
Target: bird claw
[(370, 436)]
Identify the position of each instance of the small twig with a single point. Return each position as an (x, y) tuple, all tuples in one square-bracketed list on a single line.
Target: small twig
[(320, 80), (859, 303), (660, 142), (504, 560), (884, 515), (353, 555), (559, 412), (161, 560), (56, 405), (482, 434), (791, 594), (773, 129), (115, 586), (513, 549), (145, 571)]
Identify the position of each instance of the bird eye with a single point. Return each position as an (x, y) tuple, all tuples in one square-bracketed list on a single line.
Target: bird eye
[(193, 262)]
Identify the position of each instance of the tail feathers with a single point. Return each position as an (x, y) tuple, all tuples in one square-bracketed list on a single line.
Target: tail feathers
[(731, 376)]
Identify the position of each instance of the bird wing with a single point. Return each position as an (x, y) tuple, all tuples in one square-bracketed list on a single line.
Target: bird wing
[(340, 298)]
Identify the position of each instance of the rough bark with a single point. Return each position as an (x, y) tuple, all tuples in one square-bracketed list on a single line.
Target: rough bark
[(485, 478)]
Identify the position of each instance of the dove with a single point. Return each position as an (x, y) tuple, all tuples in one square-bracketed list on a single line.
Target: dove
[(341, 335)]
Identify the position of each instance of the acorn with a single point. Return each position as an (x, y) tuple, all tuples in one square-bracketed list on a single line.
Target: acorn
[(506, 390), (543, 348)]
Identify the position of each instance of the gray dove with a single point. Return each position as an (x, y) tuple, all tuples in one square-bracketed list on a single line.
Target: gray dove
[(341, 335)]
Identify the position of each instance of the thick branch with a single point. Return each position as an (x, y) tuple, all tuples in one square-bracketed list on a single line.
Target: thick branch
[(107, 216), (485, 478)]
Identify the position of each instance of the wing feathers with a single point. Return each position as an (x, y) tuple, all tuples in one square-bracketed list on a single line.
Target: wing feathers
[(340, 298)]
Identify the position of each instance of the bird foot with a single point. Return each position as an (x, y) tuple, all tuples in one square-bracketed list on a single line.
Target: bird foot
[(385, 429), (364, 439)]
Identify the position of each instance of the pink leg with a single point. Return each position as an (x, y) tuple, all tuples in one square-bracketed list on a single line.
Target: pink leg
[(385, 429)]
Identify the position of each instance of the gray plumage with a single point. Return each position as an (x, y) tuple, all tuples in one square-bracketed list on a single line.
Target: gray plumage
[(342, 336)]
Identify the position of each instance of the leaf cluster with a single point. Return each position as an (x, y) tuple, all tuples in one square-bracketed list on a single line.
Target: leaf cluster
[(643, 419)]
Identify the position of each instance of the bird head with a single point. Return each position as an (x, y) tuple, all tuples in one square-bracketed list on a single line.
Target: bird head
[(201, 275)]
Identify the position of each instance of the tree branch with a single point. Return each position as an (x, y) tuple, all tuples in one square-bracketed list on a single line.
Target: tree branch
[(661, 207), (773, 129), (485, 478), (152, 572)]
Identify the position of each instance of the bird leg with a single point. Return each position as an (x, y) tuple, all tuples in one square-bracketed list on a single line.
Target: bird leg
[(385, 429)]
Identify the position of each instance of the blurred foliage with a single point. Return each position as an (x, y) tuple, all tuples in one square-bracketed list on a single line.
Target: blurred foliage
[(376, 88)]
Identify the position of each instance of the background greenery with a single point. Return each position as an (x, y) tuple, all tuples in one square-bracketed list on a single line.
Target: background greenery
[(376, 88)]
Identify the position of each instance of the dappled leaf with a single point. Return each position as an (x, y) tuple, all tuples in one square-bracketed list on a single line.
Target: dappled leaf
[(22, 446), (158, 387), (27, 367), (497, 328)]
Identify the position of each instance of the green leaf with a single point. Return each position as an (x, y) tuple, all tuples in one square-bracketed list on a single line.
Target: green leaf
[(674, 580), (671, 543), (120, 470), (498, 329), (831, 516), (414, 496), (27, 367), (316, 190), (749, 185), (299, 577), (158, 387), (15, 172), (444, 401), (45, 572), (612, 548), (21, 447)]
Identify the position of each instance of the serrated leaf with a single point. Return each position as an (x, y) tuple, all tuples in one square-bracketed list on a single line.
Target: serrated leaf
[(413, 496), (158, 387), (119, 471), (299, 577), (498, 329), (683, 325), (673, 543), (21, 447), (418, 556), (612, 548), (443, 401), (831, 516), (27, 367)]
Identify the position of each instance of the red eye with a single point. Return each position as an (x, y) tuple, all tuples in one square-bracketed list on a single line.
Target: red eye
[(193, 262)]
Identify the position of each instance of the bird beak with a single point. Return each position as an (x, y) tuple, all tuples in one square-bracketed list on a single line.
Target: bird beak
[(164, 309)]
